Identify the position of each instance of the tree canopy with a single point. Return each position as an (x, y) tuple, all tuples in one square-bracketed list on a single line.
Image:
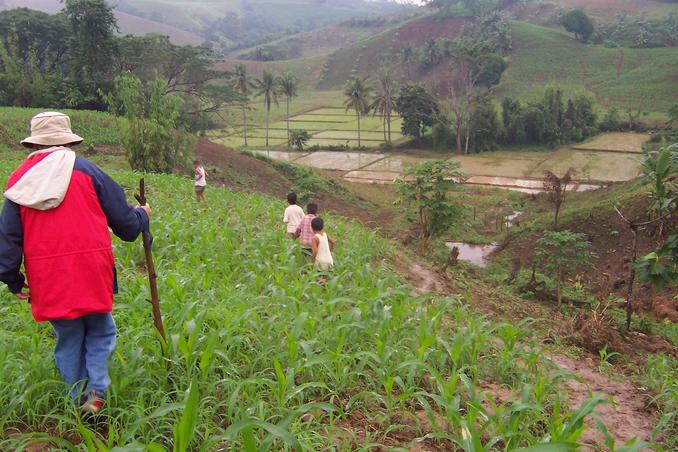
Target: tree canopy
[(70, 60), (417, 108), (579, 23)]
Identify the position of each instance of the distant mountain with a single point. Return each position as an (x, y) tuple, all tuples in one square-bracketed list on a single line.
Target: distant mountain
[(227, 24)]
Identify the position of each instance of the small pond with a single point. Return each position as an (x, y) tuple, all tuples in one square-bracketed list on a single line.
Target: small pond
[(475, 254)]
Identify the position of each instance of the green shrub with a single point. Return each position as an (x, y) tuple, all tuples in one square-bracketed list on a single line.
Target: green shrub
[(299, 138)]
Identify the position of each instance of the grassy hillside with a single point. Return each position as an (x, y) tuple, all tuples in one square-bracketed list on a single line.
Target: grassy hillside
[(366, 56), (97, 128), (541, 57), (602, 11), (607, 9), (317, 42), (274, 359), (544, 56)]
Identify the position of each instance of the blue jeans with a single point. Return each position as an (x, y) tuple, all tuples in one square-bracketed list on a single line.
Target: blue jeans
[(82, 350)]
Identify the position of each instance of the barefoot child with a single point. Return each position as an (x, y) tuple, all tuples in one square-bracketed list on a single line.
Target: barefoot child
[(200, 177), (305, 231), (322, 245), (293, 214)]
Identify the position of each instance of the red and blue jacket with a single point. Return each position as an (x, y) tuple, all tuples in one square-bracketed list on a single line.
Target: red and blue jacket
[(56, 219)]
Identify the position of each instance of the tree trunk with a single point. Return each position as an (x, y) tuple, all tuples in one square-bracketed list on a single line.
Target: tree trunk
[(458, 133), (632, 276), (268, 113), (358, 129), (555, 220), (468, 133), (559, 291), (288, 121), (389, 127), (383, 121), (244, 120)]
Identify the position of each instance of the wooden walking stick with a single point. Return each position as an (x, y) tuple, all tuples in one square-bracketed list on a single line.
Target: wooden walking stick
[(152, 276)]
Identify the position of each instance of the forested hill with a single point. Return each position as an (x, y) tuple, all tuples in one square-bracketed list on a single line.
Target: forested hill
[(226, 23)]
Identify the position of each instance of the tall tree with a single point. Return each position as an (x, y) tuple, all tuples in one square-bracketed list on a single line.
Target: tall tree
[(267, 86), (358, 96), (242, 86), (384, 102), (289, 87), (463, 79), (93, 26), (38, 32), (417, 107)]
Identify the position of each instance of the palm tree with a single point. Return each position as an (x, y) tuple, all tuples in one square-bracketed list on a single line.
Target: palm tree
[(384, 102), (267, 86), (289, 87), (358, 93), (242, 85)]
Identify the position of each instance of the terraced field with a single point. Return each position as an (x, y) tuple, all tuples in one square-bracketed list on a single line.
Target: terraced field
[(608, 158), (328, 126)]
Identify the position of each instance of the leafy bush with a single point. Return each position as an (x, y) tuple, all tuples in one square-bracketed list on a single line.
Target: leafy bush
[(562, 253), (425, 186), (612, 121), (151, 147), (150, 141), (299, 138)]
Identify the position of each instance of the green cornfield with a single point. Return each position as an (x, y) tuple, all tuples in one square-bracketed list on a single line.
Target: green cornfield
[(260, 356)]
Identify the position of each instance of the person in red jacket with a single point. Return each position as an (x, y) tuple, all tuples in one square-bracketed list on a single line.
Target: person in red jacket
[(56, 219)]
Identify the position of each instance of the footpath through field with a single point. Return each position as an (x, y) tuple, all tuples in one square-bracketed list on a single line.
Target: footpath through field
[(611, 157), (626, 415)]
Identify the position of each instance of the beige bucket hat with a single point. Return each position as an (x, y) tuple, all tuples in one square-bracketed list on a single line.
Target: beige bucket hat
[(51, 128)]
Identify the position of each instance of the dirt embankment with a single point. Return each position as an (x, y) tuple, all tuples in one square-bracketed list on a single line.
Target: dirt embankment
[(242, 172), (611, 240)]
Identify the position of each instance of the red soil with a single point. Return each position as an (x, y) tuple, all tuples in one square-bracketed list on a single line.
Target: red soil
[(611, 240)]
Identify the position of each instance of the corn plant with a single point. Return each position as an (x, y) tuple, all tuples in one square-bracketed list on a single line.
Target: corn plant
[(264, 358)]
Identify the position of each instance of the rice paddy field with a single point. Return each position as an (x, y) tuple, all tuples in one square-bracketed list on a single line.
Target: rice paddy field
[(328, 126), (607, 158), (260, 356)]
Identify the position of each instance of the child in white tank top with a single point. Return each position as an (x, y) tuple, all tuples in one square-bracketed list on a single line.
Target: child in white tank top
[(322, 245)]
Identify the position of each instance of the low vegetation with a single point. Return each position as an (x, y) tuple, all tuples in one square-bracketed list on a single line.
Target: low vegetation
[(270, 358), (265, 355)]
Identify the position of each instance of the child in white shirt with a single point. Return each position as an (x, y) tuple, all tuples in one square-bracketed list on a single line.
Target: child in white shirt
[(322, 244), (293, 214)]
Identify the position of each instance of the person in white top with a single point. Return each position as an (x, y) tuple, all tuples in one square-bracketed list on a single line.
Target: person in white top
[(200, 180), (293, 214), (322, 245)]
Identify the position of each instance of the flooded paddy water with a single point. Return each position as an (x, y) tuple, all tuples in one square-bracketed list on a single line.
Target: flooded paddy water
[(608, 158)]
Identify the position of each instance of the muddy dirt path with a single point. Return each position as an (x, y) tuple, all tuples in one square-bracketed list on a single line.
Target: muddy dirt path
[(627, 418)]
